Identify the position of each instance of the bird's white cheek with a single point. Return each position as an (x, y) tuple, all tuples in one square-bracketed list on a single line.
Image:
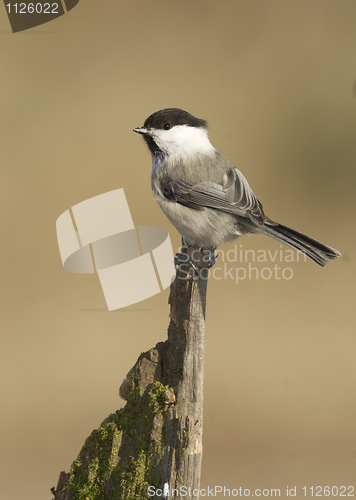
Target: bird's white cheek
[(183, 141)]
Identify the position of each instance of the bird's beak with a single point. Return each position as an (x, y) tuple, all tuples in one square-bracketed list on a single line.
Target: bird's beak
[(141, 130)]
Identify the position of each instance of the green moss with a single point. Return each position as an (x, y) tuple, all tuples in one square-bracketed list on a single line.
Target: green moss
[(94, 463), (98, 473), (185, 441), (179, 476), (135, 392)]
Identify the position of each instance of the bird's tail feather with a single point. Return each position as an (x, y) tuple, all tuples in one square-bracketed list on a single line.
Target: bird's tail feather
[(318, 252)]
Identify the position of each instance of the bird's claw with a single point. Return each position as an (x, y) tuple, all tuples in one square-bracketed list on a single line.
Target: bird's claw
[(211, 261), (183, 258)]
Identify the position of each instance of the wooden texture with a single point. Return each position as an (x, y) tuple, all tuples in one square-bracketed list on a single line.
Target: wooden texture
[(154, 444)]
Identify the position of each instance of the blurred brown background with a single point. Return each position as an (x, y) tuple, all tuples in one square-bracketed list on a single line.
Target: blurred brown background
[(276, 81)]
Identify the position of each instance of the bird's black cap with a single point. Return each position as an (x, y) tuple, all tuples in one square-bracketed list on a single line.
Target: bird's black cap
[(173, 116)]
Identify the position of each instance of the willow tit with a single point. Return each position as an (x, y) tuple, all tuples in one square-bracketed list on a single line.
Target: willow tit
[(205, 197)]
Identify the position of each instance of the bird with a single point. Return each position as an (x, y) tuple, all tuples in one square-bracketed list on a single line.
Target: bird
[(204, 195)]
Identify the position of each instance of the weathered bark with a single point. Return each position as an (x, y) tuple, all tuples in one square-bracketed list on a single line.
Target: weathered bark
[(155, 442), (60, 493)]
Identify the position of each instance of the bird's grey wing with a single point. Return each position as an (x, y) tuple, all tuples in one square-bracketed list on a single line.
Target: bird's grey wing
[(233, 195)]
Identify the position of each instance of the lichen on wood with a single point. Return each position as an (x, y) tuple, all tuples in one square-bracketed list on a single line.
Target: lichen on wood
[(155, 441)]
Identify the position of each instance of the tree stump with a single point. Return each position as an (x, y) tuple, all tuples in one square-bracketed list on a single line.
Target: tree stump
[(153, 445)]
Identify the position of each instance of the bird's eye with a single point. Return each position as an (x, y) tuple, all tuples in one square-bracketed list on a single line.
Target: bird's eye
[(166, 126)]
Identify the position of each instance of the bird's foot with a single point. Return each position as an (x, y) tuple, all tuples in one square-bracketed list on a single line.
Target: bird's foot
[(205, 259), (183, 258), (210, 260)]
